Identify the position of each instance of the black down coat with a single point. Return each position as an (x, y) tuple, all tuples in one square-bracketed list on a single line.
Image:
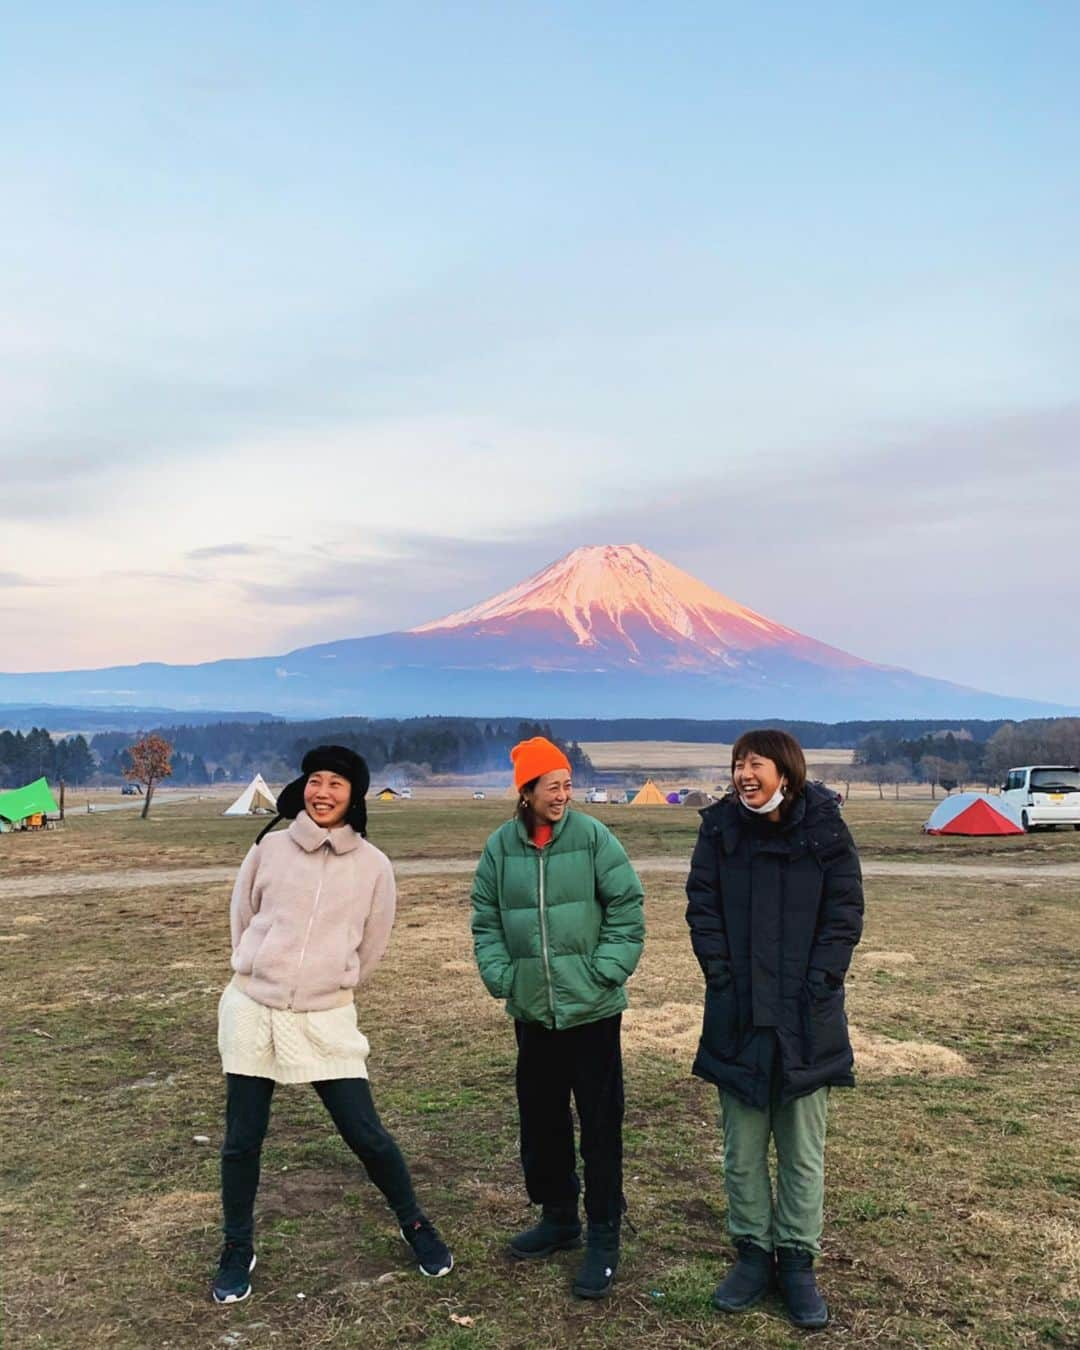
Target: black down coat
[(775, 911)]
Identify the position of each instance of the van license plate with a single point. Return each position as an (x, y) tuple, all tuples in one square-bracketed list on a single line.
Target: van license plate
[(1057, 796)]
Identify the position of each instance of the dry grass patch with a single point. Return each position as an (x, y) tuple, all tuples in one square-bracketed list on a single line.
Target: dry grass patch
[(157, 1220), (1061, 1241), (671, 1030), (884, 960), (1055, 1238), (880, 1057)]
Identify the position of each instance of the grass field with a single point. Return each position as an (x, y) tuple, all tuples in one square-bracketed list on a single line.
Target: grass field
[(192, 832), (672, 756), (953, 1200)]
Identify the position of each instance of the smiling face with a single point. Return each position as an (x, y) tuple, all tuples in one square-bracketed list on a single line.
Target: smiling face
[(550, 797), (326, 798), (756, 778)]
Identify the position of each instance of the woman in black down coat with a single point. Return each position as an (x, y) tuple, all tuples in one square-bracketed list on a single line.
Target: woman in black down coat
[(775, 911)]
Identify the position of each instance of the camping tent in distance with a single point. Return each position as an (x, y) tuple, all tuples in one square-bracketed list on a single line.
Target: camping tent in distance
[(973, 813), (35, 799), (256, 797), (650, 795)]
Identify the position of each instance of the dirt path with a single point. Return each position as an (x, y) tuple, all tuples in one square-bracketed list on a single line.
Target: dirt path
[(74, 883)]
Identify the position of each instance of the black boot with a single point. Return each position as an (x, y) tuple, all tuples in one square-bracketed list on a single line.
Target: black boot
[(748, 1280), (558, 1230), (601, 1261), (795, 1275)]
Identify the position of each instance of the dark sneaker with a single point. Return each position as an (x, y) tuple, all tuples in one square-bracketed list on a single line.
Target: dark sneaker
[(748, 1280), (558, 1230), (432, 1253), (231, 1283), (600, 1263), (802, 1298)]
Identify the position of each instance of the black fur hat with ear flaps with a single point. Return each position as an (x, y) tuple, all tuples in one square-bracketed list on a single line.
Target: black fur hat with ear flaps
[(337, 759)]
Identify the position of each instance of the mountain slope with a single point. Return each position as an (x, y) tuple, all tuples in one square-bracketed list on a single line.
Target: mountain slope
[(607, 631), (623, 605)]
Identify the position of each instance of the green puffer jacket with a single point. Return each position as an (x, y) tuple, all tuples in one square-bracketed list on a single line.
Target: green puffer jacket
[(558, 930)]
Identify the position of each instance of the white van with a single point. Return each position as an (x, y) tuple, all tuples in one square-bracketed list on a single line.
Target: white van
[(597, 796), (1044, 795)]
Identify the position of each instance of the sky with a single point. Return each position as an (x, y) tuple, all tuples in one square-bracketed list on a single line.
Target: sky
[(325, 320)]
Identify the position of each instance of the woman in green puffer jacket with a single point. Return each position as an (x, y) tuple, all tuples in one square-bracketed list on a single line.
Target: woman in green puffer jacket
[(558, 927)]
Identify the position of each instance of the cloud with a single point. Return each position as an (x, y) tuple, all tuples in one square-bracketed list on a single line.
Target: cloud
[(966, 495), (405, 579), (948, 549), (331, 585), (47, 483), (90, 423), (10, 580), (159, 575), (223, 551)]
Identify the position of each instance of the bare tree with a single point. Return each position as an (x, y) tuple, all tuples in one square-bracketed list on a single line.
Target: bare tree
[(933, 769), (897, 771), (149, 763), (953, 774), (879, 775), (826, 773), (1043, 741), (842, 773)]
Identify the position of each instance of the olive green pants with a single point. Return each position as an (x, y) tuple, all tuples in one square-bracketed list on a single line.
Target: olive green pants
[(794, 1219)]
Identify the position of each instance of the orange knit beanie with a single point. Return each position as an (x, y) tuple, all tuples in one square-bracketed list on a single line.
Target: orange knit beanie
[(532, 759)]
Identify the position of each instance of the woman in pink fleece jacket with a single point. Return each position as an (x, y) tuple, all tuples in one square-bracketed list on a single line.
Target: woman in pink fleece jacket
[(311, 915)]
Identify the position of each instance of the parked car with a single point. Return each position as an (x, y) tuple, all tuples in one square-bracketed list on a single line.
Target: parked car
[(478, 796), (130, 790), (406, 794), (598, 796), (1045, 795)]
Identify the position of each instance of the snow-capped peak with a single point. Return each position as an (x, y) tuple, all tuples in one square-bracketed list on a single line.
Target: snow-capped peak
[(602, 586)]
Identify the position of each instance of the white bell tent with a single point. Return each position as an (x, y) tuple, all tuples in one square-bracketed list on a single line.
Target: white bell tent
[(255, 799)]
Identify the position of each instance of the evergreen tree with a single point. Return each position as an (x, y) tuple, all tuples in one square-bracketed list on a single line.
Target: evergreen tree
[(75, 763)]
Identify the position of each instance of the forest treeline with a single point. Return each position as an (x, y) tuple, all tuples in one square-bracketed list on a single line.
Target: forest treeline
[(36, 754), (950, 754), (955, 758), (394, 749)]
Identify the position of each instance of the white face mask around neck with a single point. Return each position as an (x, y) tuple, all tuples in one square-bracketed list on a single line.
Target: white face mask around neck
[(774, 801)]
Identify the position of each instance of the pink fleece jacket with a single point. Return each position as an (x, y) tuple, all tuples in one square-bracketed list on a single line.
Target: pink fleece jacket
[(311, 915)]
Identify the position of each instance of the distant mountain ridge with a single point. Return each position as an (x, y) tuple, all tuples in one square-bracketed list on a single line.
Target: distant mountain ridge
[(608, 630)]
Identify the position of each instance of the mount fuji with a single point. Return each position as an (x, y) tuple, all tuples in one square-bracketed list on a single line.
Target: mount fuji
[(606, 631)]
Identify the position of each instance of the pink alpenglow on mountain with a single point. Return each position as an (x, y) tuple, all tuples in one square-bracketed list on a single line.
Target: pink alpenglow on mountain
[(610, 605), (608, 631)]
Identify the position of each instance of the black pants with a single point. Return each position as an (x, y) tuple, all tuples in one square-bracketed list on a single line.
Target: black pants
[(247, 1114), (587, 1062)]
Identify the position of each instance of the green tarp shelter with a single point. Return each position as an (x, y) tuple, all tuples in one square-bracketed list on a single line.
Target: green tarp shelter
[(26, 801)]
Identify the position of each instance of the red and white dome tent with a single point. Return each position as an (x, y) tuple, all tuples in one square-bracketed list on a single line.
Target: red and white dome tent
[(973, 813)]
